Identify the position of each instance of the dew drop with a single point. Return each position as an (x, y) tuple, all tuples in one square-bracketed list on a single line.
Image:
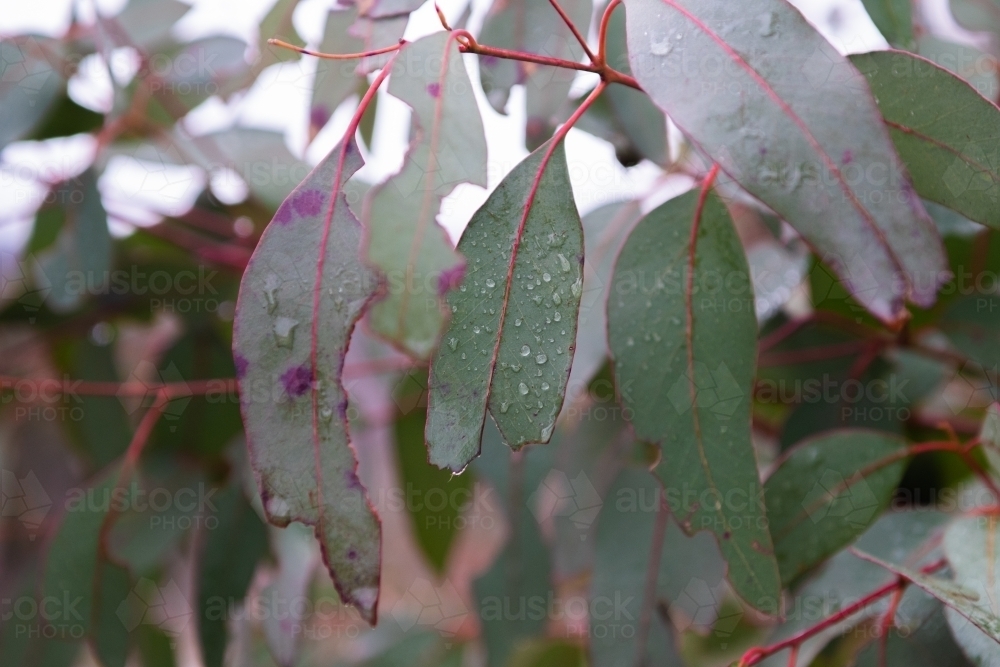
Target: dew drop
[(271, 284), (577, 288), (476, 329), (491, 283), (564, 263), (546, 277), (453, 343), (541, 359), (556, 299), (525, 350), (522, 389), (284, 331), (504, 407), (545, 386), (557, 316), (517, 322), (326, 414)]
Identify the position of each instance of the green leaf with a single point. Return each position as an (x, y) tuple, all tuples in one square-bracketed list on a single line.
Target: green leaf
[(81, 257), (225, 572), (698, 352), (532, 26), (30, 83), (335, 79), (404, 240), (21, 640), (894, 19), (972, 324), (631, 573), (512, 596), (773, 119), (378, 9), (960, 596), (977, 14), (260, 157), (944, 130), (305, 278), (548, 653), (970, 544), (928, 645), (826, 492), (432, 495), (65, 118), (509, 345), (199, 69)]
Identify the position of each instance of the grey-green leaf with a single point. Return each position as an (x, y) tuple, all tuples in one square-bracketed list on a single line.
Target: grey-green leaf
[(944, 130), (335, 80), (301, 295), (758, 90), (509, 345), (685, 369), (826, 492), (30, 82), (970, 545), (404, 240)]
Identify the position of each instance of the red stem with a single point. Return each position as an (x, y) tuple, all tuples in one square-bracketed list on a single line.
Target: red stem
[(602, 33), (572, 28)]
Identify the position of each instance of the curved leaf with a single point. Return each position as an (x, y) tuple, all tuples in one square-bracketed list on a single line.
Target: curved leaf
[(765, 96), (510, 342), (305, 278), (404, 240), (826, 492), (681, 327), (945, 131), (894, 19)]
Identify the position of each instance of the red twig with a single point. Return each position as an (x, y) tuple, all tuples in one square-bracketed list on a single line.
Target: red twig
[(602, 32), (888, 620), (335, 56), (573, 29)]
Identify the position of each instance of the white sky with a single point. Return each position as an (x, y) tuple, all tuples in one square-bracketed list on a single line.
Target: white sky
[(279, 100)]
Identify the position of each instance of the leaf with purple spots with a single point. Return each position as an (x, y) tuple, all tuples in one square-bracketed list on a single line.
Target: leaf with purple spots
[(405, 241), (293, 402), (509, 346)]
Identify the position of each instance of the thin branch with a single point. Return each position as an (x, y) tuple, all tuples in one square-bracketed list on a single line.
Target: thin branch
[(335, 56), (602, 32), (572, 28)]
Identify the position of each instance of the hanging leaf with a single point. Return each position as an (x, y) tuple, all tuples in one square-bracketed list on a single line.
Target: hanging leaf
[(532, 26), (335, 80), (894, 19), (509, 345), (773, 119), (224, 574), (944, 130), (826, 492), (404, 240), (681, 327), (297, 558), (631, 572), (301, 295)]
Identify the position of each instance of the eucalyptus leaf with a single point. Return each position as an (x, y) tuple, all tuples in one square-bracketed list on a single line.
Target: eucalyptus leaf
[(509, 345), (827, 491), (894, 19), (404, 240), (944, 130), (291, 394), (773, 119), (31, 81), (679, 332), (970, 544)]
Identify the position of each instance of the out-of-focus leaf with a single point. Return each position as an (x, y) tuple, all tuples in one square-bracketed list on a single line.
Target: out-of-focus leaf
[(432, 495), (155, 647), (978, 15), (943, 129), (277, 24), (604, 232), (76, 571), (773, 120), (63, 119), (404, 240), (521, 573), (972, 323), (259, 157), (189, 74), (375, 34), (378, 9), (894, 19), (335, 79), (21, 640), (145, 24), (509, 345), (928, 645), (960, 596), (532, 26), (970, 545), (630, 575), (80, 260), (548, 653), (979, 69), (643, 123), (301, 295), (225, 572), (30, 83), (296, 557), (826, 492), (697, 348)]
